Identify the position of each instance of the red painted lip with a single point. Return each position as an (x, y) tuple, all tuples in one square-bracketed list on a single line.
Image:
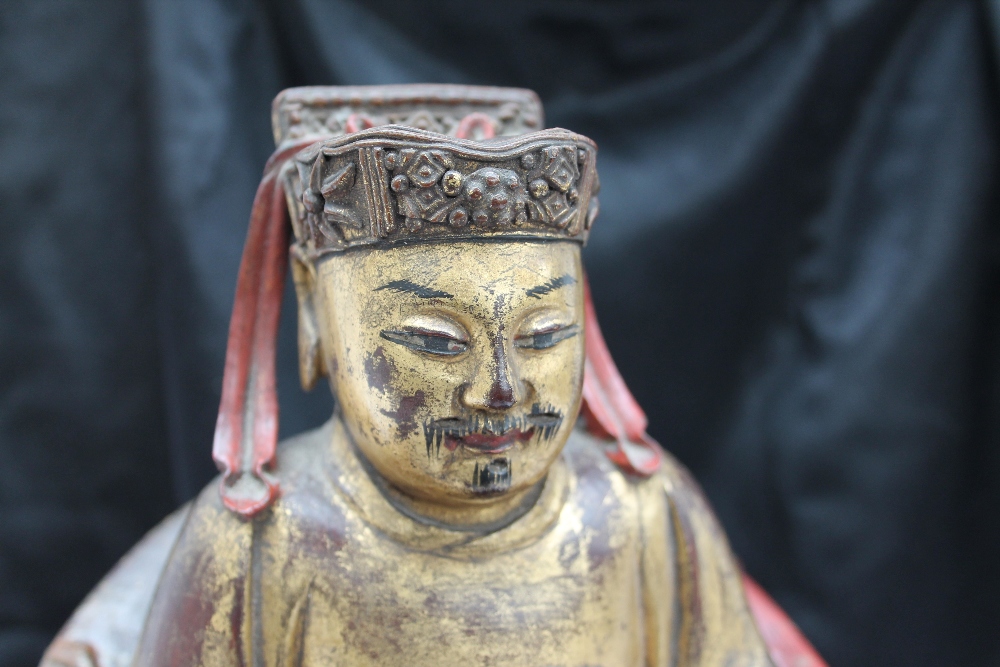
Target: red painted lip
[(489, 444)]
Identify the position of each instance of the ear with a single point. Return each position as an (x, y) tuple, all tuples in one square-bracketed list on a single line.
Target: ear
[(311, 366)]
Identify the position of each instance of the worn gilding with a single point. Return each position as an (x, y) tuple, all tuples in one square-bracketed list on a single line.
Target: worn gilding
[(387, 549)]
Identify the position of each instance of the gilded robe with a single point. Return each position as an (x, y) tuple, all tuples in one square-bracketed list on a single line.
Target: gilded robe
[(604, 569)]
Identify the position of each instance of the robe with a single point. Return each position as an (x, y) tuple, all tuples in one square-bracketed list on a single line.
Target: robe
[(604, 569)]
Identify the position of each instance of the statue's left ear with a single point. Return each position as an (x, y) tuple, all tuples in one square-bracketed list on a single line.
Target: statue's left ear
[(311, 366)]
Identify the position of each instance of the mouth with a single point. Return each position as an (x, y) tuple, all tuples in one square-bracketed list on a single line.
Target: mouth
[(491, 435), (487, 443)]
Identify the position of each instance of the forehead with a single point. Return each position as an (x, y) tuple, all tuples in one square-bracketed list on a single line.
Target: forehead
[(467, 271)]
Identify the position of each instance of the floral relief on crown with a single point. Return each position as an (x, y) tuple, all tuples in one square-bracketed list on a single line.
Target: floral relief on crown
[(397, 185)]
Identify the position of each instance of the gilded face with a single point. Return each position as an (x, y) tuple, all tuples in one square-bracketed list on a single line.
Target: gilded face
[(457, 366)]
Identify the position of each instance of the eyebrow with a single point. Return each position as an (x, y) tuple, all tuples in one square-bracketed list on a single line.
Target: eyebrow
[(538, 290), (410, 287)]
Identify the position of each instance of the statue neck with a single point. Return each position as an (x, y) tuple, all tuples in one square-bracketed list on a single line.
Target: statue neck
[(474, 517)]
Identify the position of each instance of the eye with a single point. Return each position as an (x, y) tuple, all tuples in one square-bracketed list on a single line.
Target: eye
[(546, 338), (432, 342)]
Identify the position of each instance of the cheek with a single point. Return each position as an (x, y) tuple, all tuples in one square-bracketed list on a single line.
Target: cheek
[(395, 391), (555, 374)]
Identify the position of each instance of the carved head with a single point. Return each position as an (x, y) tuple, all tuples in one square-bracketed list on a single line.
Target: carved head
[(440, 290)]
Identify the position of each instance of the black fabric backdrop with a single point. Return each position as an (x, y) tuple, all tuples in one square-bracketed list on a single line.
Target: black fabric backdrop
[(795, 267)]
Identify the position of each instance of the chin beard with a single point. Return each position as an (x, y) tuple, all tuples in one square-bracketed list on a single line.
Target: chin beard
[(491, 478)]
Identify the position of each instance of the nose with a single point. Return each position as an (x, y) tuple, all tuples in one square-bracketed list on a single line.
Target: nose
[(496, 385)]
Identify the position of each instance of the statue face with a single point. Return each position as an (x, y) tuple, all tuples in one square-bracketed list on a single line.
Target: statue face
[(458, 367)]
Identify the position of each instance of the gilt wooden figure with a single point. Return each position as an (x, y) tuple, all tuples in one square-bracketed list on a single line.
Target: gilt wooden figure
[(454, 510)]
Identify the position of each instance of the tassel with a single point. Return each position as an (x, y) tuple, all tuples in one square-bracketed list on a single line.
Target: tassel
[(246, 432)]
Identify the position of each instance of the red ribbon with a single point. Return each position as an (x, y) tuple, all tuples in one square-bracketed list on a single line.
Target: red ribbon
[(246, 431), (609, 409), (786, 644)]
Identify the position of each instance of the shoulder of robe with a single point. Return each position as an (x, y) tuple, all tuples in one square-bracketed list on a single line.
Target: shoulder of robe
[(676, 483), (198, 615), (201, 614), (672, 482), (309, 502), (302, 457), (716, 626), (694, 607)]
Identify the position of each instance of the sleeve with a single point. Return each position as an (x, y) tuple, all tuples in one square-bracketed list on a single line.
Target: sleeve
[(696, 610), (200, 613), (105, 629)]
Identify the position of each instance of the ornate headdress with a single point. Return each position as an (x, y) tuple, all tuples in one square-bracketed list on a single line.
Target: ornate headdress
[(394, 184), (388, 165)]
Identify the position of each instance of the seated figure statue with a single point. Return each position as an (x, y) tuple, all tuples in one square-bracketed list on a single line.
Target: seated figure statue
[(452, 511)]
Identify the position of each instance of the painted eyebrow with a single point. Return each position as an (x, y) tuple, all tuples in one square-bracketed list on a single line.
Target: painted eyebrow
[(410, 287), (538, 290)]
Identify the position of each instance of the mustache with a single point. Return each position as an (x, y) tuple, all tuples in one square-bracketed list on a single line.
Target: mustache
[(541, 423)]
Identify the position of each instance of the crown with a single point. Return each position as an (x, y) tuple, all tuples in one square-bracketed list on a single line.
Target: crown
[(320, 112), (392, 184)]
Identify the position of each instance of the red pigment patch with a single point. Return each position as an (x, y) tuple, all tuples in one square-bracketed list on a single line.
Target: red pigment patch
[(379, 370), (408, 406)]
